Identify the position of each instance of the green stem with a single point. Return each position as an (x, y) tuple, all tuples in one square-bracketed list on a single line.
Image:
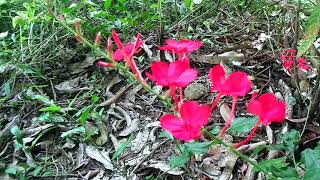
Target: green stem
[(234, 151)]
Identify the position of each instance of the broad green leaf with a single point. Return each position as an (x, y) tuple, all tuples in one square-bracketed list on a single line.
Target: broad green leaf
[(311, 159), (122, 148), (107, 4), (77, 130), (198, 147), (270, 163), (311, 32), (178, 161), (243, 124), (291, 140), (52, 108)]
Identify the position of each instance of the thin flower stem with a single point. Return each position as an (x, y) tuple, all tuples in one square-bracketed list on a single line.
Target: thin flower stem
[(216, 101), (234, 151), (225, 128), (173, 93), (250, 136)]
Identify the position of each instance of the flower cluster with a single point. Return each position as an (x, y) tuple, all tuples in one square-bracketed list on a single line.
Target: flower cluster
[(289, 56), (190, 117)]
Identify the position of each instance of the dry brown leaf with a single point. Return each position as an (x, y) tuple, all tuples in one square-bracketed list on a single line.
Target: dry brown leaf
[(101, 156)]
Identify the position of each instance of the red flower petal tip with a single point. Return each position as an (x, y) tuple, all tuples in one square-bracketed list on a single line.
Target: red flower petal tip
[(237, 84), (268, 108), (193, 117)]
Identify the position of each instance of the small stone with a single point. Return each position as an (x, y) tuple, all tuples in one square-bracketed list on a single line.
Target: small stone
[(195, 91)]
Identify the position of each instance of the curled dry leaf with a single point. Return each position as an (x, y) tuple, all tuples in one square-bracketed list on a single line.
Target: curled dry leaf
[(225, 112), (101, 156)]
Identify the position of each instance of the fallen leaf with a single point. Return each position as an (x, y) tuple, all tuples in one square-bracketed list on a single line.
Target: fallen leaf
[(163, 166), (225, 112), (100, 156)]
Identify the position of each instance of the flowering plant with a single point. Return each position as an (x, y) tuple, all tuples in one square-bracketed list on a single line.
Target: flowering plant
[(190, 117)]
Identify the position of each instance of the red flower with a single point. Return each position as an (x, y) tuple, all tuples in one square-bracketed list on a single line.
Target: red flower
[(177, 73), (126, 52), (268, 108), (303, 64), (237, 84), (193, 117), (288, 57), (181, 47)]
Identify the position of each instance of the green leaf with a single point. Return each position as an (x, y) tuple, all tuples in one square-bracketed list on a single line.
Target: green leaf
[(122, 1), (215, 130), (12, 170), (44, 99), (17, 20), (198, 147), (107, 4), (84, 116), (77, 130), (243, 124), (52, 108), (178, 161), (122, 148), (279, 168), (311, 32), (291, 140), (188, 3), (311, 159), (166, 134), (37, 171), (16, 131)]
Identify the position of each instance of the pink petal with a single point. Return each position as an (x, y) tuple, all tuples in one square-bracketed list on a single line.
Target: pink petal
[(118, 55), (277, 114), (178, 128), (159, 73), (255, 107), (217, 76), (237, 84), (178, 67), (195, 114), (186, 77), (116, 39)]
